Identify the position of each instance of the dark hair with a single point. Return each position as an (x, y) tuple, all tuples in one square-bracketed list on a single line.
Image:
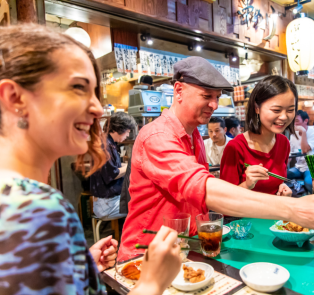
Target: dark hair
[(25, 57), (264, 90), (218, 120), (147, 80), (232, 122), (303, 115), (119, 122)]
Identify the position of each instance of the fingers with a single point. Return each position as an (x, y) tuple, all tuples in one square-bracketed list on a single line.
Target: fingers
[(171, 238), (103, 242), (109, 251), (108, 258), (162, 234)]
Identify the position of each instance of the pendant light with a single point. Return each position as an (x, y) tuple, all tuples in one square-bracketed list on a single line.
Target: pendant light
[(78, 34), (300, 45)]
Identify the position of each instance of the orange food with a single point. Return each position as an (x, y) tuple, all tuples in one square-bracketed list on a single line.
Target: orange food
[(193, 276), (132, 270)]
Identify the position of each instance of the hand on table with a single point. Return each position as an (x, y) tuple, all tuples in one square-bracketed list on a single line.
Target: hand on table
[(254, 174), (161, 263), (104, 253), (284, 191)]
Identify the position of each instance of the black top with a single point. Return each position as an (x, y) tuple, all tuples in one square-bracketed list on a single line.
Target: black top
[(125, 195), (102, 182)]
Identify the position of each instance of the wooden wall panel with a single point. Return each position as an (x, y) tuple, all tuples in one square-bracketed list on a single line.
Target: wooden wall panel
[(194, 13), (182, 14), (219, 18), (204, 10), (162, 8)]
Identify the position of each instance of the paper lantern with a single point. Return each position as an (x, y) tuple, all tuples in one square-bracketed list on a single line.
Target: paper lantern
[(245, 73), (300, 45), (79, 35)]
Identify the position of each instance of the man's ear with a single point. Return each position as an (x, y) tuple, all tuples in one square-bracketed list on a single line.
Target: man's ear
[(11, 96), (306, 121), (177, 91), (225, 129)]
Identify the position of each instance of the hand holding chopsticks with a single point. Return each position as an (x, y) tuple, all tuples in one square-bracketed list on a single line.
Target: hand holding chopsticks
[(274, 175)]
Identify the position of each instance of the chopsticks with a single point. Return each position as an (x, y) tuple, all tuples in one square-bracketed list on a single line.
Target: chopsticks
[(138, 246), (274, 175), (146, 231)]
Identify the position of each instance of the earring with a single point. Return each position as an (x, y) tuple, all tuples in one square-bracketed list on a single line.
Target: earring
[(22, 123), (257, 118)]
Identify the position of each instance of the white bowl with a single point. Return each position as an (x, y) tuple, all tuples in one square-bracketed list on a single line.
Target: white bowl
[(225, 231), (180, 283), (264, 277)]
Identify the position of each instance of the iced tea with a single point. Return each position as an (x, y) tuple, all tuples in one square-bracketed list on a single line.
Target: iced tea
[(211, 237)]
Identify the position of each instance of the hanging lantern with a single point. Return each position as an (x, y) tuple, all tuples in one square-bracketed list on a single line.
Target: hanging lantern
[(300, 44), (245, 73), (79, 35)]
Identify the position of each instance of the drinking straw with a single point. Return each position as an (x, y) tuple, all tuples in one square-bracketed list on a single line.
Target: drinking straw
[(146, 231), (310, 163)]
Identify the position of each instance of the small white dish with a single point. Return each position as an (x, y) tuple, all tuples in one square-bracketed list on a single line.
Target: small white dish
[(264, 277), (181, 284), (225, 231)]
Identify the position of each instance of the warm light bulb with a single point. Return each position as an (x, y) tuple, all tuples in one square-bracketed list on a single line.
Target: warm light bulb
[(150, 42), (198, 48), (79, 35)]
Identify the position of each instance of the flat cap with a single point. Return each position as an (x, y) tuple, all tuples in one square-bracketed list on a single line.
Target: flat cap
[(199, 71)]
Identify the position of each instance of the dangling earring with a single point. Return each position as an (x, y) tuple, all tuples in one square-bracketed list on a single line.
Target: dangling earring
[(22, 123), (257, 119)]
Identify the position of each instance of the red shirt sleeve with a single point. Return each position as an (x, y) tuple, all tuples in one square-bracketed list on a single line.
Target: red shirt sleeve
[(232, 163), (169, 166)]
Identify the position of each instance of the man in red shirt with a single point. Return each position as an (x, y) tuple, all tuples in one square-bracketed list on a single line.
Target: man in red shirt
[(169, 169)]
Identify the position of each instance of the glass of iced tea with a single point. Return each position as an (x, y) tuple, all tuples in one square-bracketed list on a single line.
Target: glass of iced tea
[(209, 228)]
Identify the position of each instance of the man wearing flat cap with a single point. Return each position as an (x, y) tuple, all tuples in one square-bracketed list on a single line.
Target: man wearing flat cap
[(169, 169)]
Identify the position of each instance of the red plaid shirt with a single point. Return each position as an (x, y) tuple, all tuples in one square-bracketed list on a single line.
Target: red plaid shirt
[(166, 177)]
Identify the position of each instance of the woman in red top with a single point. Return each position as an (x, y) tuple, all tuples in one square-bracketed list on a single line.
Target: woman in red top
[(271, 110)]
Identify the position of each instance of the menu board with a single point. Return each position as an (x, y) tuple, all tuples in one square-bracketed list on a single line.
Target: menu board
[(220, 284)]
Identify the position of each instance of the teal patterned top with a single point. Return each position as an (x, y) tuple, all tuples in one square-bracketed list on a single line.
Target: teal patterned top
[(42, 245)]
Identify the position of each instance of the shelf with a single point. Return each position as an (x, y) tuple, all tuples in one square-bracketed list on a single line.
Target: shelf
[(303, 97)]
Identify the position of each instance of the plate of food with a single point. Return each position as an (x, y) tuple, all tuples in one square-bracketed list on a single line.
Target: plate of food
[(291, 232), (193, 276)]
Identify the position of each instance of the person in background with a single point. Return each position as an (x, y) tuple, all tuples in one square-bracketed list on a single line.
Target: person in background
[(170, 173), (305, 142), (217, 141), (106, 183), (147, 80), (49, 106), (271, 110), (233, 126)]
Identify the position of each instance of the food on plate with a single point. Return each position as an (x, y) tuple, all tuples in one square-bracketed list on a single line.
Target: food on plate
[(132, 270), (193, 276), (291, 226)]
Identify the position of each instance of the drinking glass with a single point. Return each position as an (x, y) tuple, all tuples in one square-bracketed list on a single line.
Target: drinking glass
[(209, 228), (180, 222)]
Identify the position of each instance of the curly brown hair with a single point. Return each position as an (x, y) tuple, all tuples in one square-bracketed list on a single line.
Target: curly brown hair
[(25, 56)]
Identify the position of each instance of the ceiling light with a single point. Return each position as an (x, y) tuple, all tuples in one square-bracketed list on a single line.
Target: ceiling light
[(149, 39), (233, 57), (190, 47), (79, 35), (198, 48), (297, 9)]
